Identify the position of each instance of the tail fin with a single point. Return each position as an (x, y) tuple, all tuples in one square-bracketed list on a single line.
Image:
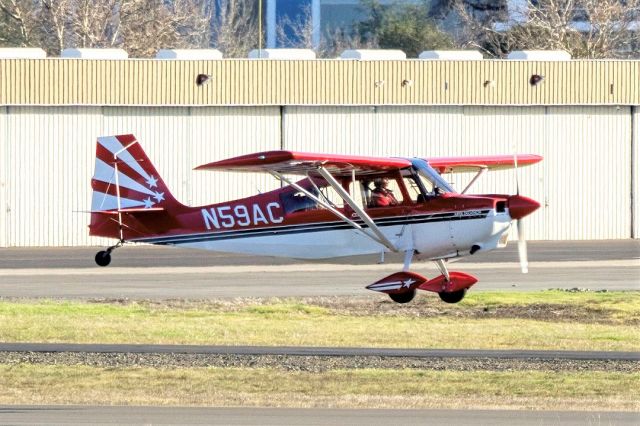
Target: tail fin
[(125, 181)]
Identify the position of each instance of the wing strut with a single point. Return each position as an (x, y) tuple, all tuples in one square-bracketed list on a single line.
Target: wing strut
[(356, 208), (326, 205), (481, 171)]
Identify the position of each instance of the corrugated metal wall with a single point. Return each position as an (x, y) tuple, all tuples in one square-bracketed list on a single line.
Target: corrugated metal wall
[(4, 161), (48, 152), (588, 170), (48, 157), (636, 172), (584, 182), (222, 132), (317, 82), (584, 186)]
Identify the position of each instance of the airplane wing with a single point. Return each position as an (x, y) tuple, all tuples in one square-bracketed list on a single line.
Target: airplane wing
[(473, 164), (303, 163), (331, 167), (328, 166)]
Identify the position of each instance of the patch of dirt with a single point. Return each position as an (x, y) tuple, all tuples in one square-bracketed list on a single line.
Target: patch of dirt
[(422, 307)]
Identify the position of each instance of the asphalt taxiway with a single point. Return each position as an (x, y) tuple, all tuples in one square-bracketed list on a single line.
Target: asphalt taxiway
[(315, 351), (41, 415), (142, 272)]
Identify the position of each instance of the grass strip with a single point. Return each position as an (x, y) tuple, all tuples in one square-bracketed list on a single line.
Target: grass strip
[(294, 322), (369, 388)]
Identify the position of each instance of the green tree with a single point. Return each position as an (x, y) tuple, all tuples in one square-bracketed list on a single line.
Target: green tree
[(408, 27)]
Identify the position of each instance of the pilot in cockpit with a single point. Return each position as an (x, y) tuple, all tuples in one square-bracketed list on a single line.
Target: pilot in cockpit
[(382, 196)]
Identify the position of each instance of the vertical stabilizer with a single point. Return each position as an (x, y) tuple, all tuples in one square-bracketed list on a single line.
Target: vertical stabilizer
[(125, 180)]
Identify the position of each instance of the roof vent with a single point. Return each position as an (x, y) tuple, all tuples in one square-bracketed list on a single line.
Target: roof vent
[(85, 53), (22, 53), (540, 55), (374, 54), (451, 55), (189, 54), (282, 54)]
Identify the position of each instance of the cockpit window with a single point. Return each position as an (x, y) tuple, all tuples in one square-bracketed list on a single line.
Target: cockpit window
[(433, 182), (297, 201), (413, 184)]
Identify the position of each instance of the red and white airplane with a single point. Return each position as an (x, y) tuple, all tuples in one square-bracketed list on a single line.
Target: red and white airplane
[(334, 211)]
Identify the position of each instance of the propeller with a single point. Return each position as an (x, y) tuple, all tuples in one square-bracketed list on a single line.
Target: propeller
[(522, 247), (522, 242)]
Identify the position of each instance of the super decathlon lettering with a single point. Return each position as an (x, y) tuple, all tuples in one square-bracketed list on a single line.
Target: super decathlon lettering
[(241, 215), (468, 213)]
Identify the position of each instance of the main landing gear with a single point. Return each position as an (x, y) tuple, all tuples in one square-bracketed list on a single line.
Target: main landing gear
[(103, 257), (449, 296), (401, 286)]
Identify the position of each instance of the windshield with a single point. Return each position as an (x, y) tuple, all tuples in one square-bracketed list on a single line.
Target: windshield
[(431, 176)]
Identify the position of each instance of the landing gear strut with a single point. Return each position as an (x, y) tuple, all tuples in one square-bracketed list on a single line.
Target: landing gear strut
[(451, 296), (103, 257)]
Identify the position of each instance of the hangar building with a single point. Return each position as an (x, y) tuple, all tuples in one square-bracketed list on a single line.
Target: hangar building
[(581, 115)]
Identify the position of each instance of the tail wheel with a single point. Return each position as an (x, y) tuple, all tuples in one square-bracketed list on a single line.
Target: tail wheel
[(452, 297), (103, 258), (404, 297)]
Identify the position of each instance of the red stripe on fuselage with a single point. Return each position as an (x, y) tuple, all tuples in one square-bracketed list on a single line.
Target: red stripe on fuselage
[(260, 212)]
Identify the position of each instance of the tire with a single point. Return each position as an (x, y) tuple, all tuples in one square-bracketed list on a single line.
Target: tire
[(404, 297), (103, 258), (453, 297)]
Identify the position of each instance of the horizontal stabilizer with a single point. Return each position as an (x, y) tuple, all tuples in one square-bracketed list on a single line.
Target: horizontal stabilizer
[(115, 212)]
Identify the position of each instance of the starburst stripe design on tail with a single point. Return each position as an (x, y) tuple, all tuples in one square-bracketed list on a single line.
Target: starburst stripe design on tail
[(139, 186)]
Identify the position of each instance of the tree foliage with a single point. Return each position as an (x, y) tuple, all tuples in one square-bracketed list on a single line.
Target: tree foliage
[(297, 32), (592, 29), (141, 27), (234, 28), (407, 26), (584, 28)]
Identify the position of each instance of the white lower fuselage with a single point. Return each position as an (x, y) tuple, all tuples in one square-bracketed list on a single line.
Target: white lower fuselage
[(432, 236)]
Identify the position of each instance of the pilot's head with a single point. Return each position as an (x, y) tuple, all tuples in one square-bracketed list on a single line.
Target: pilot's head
[(381, 182)]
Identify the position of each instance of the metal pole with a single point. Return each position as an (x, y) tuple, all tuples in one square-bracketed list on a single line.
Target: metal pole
[(271, 24), (259, 28), (315, 23)]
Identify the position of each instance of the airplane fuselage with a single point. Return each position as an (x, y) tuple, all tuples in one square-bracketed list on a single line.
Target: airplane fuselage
[(442, 227)]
